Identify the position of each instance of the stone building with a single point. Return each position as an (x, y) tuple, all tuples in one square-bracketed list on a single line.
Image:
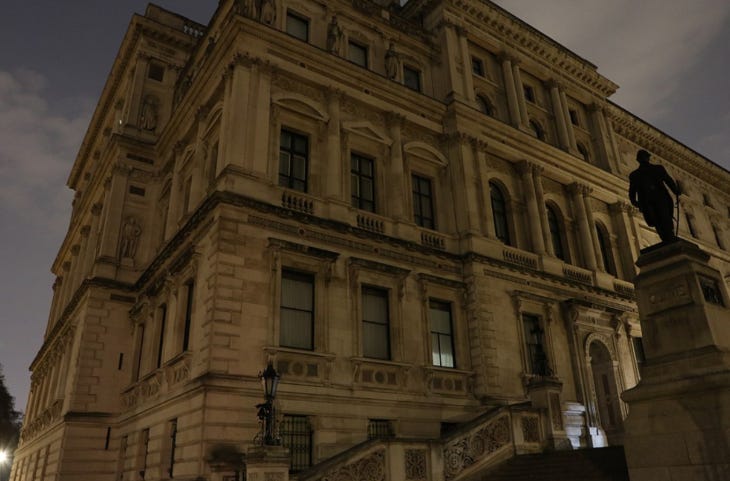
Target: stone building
[(418, 213)]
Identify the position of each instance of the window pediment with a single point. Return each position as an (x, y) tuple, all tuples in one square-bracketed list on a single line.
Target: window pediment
[(368, 130), (426, 152), (301, 105)]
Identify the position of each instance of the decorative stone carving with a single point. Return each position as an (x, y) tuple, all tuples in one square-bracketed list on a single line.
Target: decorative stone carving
[(530, 429), (149, 113), (334, 36), (267, 12), (370, 468), (475, 446), (392, 62), (131, 232), (416, 467)]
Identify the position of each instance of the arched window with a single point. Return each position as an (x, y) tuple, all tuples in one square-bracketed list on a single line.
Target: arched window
[(555, 233), (485, 106), (605, 245), (499, 212), (537, 129)]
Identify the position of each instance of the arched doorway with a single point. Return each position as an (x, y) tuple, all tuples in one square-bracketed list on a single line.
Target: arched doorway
[(608, 403)]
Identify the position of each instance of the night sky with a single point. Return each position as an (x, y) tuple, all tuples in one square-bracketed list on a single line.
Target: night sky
[(669, 57)]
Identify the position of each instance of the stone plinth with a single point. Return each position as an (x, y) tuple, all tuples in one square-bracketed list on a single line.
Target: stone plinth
[(545, 393), (267, 463), (678, 426)]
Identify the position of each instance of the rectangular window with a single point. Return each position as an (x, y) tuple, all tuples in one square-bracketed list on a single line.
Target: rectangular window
[(293, 160), (161, 340), (357, 53), (442, 338), (412, 78), (423, 202), (529, 93), (156, 72), (297, 310), (297, 26), (296, 434), (477, 66), (362, 182), (190, 291), (375, 323), (173, 443), (537, 362), (380, 429)]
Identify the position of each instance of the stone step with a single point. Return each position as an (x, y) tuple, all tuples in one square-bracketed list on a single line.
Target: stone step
[(600, 464)]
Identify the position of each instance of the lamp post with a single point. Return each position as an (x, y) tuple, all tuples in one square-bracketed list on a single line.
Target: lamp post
[(267, 416)]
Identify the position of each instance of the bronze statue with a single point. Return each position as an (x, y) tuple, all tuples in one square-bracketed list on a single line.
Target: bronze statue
[(648, 191)]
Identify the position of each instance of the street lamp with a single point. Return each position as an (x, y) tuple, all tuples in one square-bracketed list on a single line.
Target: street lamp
[(267, 416)]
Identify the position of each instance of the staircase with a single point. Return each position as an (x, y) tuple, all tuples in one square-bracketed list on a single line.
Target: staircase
[(602, 464)]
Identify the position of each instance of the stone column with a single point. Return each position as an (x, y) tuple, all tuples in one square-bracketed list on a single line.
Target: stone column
[(606, 152), (542, 208), (578, 191), (66, 286), (679, 413), (92, 244), (75, 271), (466, 62), (593, 232), (464, 184), (335, 162), (137, 87), (509, 85), (265, 463), (235, 123), (572, 145), (560, 120), (520, 90), (396, 182), (173, 208), (55, 302), (259, 114), (623, 213), (450, 52), (199, 184), (480, 156), (113, 219), (533, 212)]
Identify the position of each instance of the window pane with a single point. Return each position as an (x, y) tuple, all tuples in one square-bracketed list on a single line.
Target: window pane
[(375, 326), (297, 310), (442, 344), (293, 160), (447, 354), (358, 54), (297, 26), (375, 340), (412, 78)]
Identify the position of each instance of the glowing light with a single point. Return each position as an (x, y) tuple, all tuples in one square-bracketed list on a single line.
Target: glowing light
[(3, 456)]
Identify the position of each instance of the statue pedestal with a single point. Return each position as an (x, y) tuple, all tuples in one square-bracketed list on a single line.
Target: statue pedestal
[(545, 393), (678, 426), (267, 463)]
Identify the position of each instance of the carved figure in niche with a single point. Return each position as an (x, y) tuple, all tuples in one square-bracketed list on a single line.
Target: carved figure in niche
[(149, 115), (334, 36), (391, 62), (267, 11), (130, 237), (648, 191), (245, 8)]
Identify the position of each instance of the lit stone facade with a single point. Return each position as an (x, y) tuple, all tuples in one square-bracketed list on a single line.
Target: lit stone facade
[(447, 185)]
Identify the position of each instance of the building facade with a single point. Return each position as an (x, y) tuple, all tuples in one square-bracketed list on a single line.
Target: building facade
[(417, 213)]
